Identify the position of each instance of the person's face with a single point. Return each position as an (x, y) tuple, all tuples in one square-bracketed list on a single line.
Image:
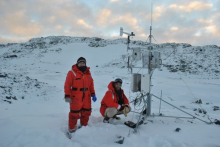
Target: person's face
[(118, 86), (81, 64)]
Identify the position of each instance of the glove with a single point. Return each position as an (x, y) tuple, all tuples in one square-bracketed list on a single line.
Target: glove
[(94, 98), (125, 111), (68, 100), (123, 106)]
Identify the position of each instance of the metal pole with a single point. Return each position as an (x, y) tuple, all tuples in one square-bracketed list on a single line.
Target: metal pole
[(149, 72), (149, 104), (128, 43), (149, 95), (160, 101)]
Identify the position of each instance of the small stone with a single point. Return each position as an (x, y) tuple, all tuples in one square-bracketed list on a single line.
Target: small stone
[(14, 98), (198, 101), (217, 122), (177, 129), (216, 108), (8, 97)]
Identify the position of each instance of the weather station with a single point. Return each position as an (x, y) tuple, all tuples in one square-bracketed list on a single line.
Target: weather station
[(141, 83)]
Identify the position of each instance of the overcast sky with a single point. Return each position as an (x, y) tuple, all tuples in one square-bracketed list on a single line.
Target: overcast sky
[(180, 21)]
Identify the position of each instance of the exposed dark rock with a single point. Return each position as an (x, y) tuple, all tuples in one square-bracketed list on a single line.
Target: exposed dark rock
[(217, 122), (198, 101), (3, 75), (7, 101), (14, 98), (177, 129), (11, 56), (3, 87), (215, 108)]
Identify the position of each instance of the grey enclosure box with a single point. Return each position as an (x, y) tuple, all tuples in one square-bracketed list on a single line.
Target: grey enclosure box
[(136, 83), (145, 83), (145, 59), (155, 59), (136, 54)]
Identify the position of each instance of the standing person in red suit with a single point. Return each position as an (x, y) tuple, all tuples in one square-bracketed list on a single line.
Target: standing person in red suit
[(79, 88), (114, 102)]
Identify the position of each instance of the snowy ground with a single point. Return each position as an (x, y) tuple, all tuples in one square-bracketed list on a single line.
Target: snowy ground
[(38, 116)]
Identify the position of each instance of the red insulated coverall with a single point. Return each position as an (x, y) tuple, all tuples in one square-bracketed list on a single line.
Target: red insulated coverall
[(111, 99), (79, 87)]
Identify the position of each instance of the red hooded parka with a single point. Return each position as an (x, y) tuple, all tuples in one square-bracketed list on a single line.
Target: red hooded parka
[(111, 99), (79, 87)]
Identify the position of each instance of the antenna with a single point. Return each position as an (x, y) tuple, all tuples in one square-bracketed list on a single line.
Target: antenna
[(151, 24), (151, 12), (149, 71), (151, 36)]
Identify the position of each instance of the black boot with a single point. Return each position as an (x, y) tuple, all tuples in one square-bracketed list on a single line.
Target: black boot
[(116, 117), (106, 119)]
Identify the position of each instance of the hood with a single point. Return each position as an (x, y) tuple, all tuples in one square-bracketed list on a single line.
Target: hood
[(74, 68), (110, 86)]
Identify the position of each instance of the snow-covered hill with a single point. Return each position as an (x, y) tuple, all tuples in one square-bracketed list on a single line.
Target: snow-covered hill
[(183, 57), (33, 111)]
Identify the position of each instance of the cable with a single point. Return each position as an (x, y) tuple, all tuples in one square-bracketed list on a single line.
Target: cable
[(186, 83), (130, 102), (137, 102), (169, 55), (192, 93), (182, 110)]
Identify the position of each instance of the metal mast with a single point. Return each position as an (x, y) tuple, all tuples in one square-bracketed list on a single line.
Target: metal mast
[(149, 71)]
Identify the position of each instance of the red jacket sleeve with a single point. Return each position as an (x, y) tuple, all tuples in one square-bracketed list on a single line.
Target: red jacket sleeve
[(68, 84), (108, 100), (126, 101), (92, 89)]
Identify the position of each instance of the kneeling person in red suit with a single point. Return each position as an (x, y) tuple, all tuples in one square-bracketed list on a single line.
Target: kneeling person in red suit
[(114, 102)]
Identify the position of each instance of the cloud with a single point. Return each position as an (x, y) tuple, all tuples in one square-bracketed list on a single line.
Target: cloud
[(174, 28), (59, 27), (192, 6), (112, 1), (16, 23), (5, 40), (83, 23), (103, 16), (213, 29), (180, 21), (128, 18), (42, 18), (19, 24), (205, 21)]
